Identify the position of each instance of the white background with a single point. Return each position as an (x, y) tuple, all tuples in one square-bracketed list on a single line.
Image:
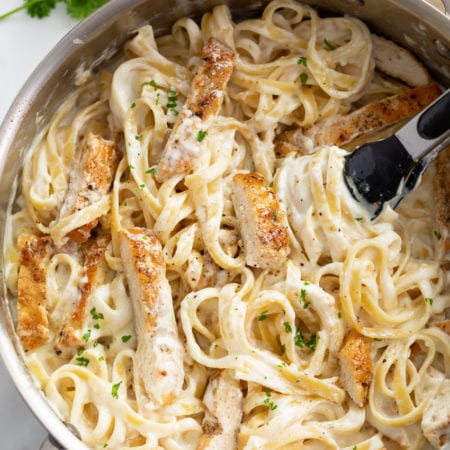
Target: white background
[(23, 43)]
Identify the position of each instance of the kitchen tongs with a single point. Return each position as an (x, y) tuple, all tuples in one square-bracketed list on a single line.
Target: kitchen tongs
[(383, 172)]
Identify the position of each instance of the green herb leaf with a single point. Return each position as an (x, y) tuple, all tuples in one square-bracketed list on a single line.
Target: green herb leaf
[(97, 326), (262, 316), (82, 361), (115, 389), (87, 335), (138, 137), (287, 327), (312, 342), (429, 300), (299, 339), (151, 170), (329, 45), (201, 135), (96, 315), (303, 78), (133, 105), (126, 338), (303, 61), (437, 235), (339, 314), (79, 9), (268, 402), (358, 219)]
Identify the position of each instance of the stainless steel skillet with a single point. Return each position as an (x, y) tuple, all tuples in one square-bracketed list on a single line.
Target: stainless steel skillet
[(412, 23)]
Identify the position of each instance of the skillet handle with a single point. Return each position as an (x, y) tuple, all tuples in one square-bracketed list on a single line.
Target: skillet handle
[(51, 444)]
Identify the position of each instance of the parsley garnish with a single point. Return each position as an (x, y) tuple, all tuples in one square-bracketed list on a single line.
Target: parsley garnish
[(133, 105), (302, 299), (429, 300), (358, 219), (339, 314), (86, 335), (96, 315), (78, 9), (299, 339), (282, 346), (138, 137), (262, 316), (152, 83), (97, 326), (151, 170), (287, 327), (303, 61), (268, 402), (329, 45), (126, 338), (304, 78), (172, 101), (131, 167), (437, 235), (312, 342), (101, 358), (82, 361), (201, 135), (115, 389), (141, 186)]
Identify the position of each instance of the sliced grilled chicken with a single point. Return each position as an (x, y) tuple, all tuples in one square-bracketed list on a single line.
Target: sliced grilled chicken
[(436, 418), (355, 365), (95, 269), (398, 62), (91, 176), (202, 105), (32, 316), (159, 350), (223, 412), (442, 187), (362, 123), (262, 222)]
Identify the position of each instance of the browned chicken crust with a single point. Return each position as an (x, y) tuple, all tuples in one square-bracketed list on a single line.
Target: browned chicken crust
[(91, 176), (202, 105), (369, 119), (159, 350), (32, 316), (261, 220), (355, 364), (70, 337), (442, 187), (223, 412)]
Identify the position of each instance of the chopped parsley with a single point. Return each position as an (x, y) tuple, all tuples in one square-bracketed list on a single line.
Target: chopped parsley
[(287, 327), (97, 326), (282, 346), (138, 137), (151, 170), (126, 338), (133, 105), (141, 186), (153, 83), (429, 300), (312, 342), (82, 361), (302, 299), (358, 219), (172, 101), (268, 402), (299, 339), (80, 352), (339, 314), (131, 167), (87, 335), (101, 358), (96, 315), (201, 135), (329, 45), (303, 78), (437, 235), (303, 61), (115, 389), (262, 316)]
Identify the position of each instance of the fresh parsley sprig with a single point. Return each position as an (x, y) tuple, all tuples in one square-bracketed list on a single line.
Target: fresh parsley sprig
[(78, 9)]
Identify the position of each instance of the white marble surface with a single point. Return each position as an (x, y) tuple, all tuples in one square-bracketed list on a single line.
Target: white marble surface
[(24, 42)]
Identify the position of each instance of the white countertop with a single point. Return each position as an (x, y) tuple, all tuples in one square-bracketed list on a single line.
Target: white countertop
[(24, 42)]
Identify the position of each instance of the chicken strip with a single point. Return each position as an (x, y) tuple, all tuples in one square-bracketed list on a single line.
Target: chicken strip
[(355, 364), (159, 355), (261, 220), (398, 62), (91, 176), (32, 315), (442, 187), (362, 123), (202, 105), (436, 418), (223, 412), (70, 337)]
